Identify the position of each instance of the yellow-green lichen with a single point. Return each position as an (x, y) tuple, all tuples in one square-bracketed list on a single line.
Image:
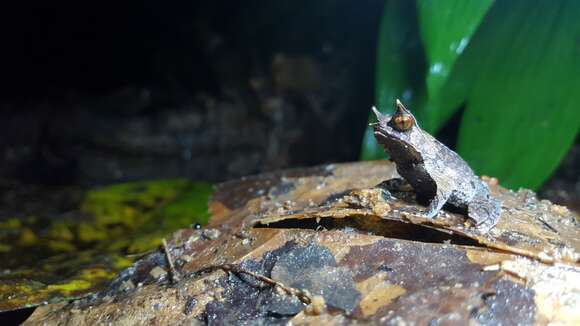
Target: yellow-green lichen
[(62, 258), (27, 237), (126, 203), (145, 242), (4, 248), (61, 231), (88, 232), (13, 223), (120, 262), (190, 207), (56, 245), (70, 287)]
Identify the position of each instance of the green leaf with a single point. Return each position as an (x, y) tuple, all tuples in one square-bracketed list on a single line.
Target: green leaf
[(400, 65), (517, 77), (522, 109), (446, 29)]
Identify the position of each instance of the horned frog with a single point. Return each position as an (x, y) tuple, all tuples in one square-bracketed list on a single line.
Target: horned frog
[(437, 174)]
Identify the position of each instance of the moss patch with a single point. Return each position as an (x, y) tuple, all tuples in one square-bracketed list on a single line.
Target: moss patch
[(69, 256)]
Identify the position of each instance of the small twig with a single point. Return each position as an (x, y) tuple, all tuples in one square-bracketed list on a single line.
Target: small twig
[(172, 271), (140, 254), (546, 224), (303, 295)]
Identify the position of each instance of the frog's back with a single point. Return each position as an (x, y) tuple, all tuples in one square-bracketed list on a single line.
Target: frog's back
[(441, 160), (449, 169)]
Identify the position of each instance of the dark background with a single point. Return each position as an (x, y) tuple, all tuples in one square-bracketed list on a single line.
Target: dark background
[(94, 93), (105, 92)]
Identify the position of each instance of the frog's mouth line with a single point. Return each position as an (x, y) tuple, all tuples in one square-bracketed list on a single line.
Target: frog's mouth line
[(382, 135)]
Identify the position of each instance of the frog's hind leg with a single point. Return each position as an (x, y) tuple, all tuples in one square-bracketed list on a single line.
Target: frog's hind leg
[(435, 201), (484, 210)]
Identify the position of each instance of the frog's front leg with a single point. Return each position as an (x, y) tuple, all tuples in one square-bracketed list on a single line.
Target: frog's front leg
[(443, 189), (435, 205)]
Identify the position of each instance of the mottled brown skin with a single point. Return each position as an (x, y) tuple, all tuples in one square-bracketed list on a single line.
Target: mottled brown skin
[(436, 173)]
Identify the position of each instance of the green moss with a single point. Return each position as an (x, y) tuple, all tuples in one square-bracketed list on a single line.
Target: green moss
[(90, 232), (4, 248), (59, 259), (126, 203), (189, 208), (27, 237), (62, 246), (144, 242), (70, 287), (11, 224), (61, 231), (94, 273), (120, 262), (117, 245)]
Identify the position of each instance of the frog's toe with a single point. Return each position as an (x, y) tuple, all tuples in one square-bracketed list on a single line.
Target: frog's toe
[(487, 225)]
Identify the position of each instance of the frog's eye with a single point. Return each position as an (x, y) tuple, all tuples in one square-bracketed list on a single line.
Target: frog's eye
[(403, 122)]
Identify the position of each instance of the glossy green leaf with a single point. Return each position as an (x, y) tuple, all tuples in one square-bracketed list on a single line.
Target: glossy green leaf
[(513, 65), (400, 65), (444, 27), (523, 107), (446, 30)]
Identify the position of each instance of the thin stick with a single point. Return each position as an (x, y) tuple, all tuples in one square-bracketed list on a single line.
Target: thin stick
[(302, 295), (172, 271)]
